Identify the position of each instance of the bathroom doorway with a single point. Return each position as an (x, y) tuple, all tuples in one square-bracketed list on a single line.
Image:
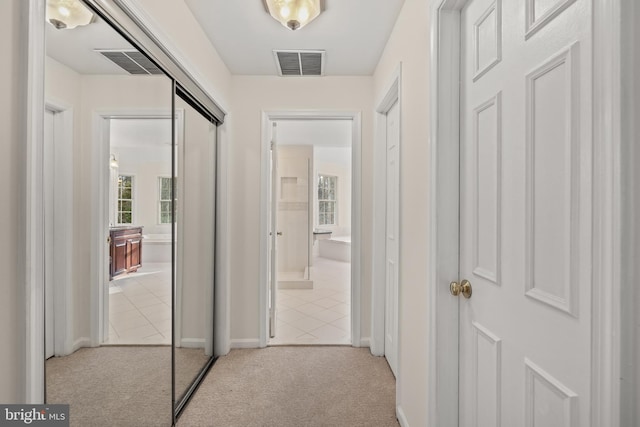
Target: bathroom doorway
[(139, 288), (311, 199)]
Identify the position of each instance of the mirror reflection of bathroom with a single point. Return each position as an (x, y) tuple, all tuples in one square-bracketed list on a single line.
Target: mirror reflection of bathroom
[(140, 231), (313, 210)]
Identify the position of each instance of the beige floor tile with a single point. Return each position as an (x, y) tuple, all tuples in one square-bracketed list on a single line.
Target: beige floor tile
[(156, 308), (147, 300), (307, 324), (159, 316), (309, 308), (289, 316), (137, 333), (343, 323), (327, 302), (327, 316), (329, 332), (342, 308), (123, 325)]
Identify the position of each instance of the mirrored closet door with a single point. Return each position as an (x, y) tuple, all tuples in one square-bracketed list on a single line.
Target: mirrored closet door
[(129, 199)]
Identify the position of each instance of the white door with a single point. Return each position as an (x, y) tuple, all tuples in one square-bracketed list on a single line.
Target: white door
[(525, 213), (48, 178), (392, 234), (273, 258)]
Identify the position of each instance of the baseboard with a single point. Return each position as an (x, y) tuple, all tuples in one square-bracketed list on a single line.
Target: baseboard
[(365, 342), (192, 342), (79, 343), (376, 350), (245, 343), (402, 418)]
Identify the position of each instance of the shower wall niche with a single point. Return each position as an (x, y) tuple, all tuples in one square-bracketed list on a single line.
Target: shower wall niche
[(295, 168)]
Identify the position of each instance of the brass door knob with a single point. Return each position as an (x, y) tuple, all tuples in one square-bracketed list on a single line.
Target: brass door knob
[(463, 288)]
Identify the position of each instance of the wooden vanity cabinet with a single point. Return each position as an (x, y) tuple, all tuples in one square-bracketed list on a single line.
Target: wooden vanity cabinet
[(125, 252)]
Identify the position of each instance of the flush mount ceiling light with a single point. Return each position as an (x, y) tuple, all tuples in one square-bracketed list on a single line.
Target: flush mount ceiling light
[(294, 14), (68, 14)]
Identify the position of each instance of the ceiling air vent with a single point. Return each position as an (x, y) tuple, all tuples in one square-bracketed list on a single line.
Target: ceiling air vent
[(300, 62), (132, 61)]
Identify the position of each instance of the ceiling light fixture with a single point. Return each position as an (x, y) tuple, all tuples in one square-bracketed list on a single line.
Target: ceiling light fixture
[(294, 14), (68, 14)]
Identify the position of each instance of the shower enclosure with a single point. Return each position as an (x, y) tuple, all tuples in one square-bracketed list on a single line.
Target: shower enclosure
[(295, 215)]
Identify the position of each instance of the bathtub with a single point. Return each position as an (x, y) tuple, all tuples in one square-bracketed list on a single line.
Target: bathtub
[(156, 248), (337, 248)]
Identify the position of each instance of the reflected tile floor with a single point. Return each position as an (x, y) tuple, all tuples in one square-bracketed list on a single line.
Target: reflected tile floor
[(140, 306), (321, 315)]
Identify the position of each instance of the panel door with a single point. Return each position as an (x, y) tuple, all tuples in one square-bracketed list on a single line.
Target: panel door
[(119, 256), (392, 234), (525, 213), (135, 253)]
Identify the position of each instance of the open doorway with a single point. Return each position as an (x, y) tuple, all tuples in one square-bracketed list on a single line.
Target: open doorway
[(311, 213), (140, 185)]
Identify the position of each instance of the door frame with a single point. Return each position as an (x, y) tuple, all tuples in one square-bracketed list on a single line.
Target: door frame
[(100, 155), (392, 94), (62, 157), (356, 212), (442, 408)]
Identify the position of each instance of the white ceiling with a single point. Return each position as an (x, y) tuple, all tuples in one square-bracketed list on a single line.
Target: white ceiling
[(353, 33), (75, 48), (320, 133)]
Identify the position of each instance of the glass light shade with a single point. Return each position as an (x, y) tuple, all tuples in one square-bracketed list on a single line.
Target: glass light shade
[(294, 14), (68, 14)]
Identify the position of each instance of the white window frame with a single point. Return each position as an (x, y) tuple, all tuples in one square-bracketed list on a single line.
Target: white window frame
[(133, 199), (335, 200), (160, 199)]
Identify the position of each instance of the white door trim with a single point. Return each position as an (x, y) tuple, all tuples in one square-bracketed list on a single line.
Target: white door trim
[(33, 204), (442, 340), (443, 310), (607, 173), (62, 158), (356, 212), (100, 154), (391, 95)]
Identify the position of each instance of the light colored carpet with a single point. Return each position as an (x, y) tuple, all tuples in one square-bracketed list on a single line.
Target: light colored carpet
[(295, 386), (120, 386)]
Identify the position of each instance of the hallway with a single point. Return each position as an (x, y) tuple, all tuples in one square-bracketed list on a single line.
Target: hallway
[(295, 386), (320, 315)]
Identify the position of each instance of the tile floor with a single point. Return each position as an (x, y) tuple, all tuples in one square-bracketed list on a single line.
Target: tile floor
[(140, 306), (321, 315)]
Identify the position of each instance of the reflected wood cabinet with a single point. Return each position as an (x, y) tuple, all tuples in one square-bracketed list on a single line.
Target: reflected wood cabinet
[(125, 252)]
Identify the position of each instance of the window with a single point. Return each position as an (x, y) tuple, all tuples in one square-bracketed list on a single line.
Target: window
[(327, 200), (125, 199), (164, 199)]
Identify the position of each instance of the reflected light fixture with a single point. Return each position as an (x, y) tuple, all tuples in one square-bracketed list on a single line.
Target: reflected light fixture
[(294, 14), (113, 162), (68, 14)]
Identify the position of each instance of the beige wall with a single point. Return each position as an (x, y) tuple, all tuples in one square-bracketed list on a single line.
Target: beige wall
[(12, 216), (250, 96), (409, 44)]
